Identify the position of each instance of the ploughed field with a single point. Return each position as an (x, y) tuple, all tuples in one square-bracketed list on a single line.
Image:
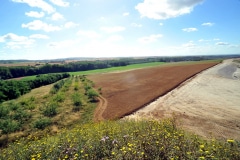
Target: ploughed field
[(126, 92)]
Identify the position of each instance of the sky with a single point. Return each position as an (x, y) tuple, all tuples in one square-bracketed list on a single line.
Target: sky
[(49, 29)]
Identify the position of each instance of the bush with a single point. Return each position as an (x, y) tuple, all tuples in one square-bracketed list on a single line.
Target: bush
[(50, 110), (21, 116), (4, 111), (59, 97), (9, 126), (42, 123), (77, 101), (92, 95)]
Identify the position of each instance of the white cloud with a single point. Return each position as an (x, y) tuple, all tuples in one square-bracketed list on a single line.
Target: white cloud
[(164, 9), (14, 41), (189, 29), (57, 16), (70, 25), (35, 14), (113, 29), (88, 34), (20, 44), (39, 25), (150, 39), (126, 14), (222, 43), (12, 37), (208, 24), (136, 25), (60, 3), (39, 36), (39, 4), (160, 24), (190, 44)]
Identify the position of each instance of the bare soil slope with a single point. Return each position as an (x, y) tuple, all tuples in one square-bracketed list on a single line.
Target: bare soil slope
[(208, 104), (126, 92)]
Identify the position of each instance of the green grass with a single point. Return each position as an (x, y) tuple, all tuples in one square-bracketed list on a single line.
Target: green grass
[(143, 140), (27, 78), (116, 69)]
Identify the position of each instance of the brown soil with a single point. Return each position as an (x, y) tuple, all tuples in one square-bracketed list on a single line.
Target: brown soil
[(129, 91), (207, 104)]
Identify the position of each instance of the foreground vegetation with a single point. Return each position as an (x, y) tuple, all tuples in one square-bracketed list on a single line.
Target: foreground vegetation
[(122, 140)]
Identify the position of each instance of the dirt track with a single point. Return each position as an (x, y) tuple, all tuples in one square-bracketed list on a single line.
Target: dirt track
[(126, 92), (208, 104)]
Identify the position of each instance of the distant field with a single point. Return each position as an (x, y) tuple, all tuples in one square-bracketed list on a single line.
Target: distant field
[(117, 69)]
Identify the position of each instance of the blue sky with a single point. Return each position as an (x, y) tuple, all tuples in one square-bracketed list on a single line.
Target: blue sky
[(47, 29)]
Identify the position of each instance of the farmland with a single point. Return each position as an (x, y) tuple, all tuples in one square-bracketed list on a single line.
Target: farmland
[(126, 92), (68, 132)]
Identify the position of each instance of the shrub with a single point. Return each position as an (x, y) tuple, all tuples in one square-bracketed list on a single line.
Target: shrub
[(42, 123), (9, 126), (50, 110), (59, 97), (77, 101), (4, 111), (21, 116), (92, 95)]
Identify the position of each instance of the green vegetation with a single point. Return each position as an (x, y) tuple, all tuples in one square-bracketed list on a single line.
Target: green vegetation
[(116, 69), (122, 140), (58, 105)]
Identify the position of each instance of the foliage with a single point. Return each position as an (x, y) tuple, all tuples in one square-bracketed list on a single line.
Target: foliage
[(8, 126), (13, 89), (92, 94), (77, 101), (50, 109), (123, 140), (42, 123)]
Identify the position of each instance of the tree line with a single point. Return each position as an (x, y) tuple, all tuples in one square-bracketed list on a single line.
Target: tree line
[(21, 71), (12, 89)]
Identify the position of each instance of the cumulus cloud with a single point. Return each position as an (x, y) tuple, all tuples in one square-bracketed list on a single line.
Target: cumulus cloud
[(189, 29), (88, 34), (164, 9), (35, 14), (60, 3), (12, 37), (39, 25), (39, 4), (222, 43), (113, 29), (136, 25), (39, 36), (57, 16), (70, 25), (150, 39), (14, 41), (208, 24)]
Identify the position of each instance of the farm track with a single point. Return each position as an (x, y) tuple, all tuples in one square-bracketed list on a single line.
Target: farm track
[(102, 105)]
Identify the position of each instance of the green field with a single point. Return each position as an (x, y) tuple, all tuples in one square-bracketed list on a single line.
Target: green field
[(115, 69)]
